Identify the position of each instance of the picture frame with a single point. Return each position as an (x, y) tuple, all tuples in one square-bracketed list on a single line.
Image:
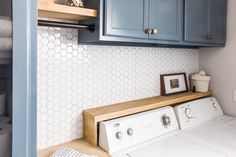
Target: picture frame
[(173, 83)]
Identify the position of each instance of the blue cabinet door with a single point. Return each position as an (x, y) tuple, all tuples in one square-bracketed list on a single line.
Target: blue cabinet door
[(126, 18), (177, 22), (196, 20), (217, 21), (166, 17)]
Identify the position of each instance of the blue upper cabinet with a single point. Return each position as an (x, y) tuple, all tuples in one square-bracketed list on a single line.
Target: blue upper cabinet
[(165, 19), (121, 20), (205, 21), (196, 20), (154, 19), (175, 23), (217, 21)]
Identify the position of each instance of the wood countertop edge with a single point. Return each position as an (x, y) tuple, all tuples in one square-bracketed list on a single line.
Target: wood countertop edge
[(169, 100)]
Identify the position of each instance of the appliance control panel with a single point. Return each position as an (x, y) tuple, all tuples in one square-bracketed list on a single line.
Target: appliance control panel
[(198, 111), (118, 134)]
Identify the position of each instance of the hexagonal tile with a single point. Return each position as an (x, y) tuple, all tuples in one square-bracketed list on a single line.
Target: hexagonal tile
[(74, 77)]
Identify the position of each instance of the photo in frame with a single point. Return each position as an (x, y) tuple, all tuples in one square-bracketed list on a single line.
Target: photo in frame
[(173, 83)]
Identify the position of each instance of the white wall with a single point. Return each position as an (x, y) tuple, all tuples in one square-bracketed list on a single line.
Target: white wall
[(74, 77), (221, 64)]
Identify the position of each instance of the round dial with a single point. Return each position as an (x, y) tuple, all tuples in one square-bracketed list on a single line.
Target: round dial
[(130, 132), (188, 113), (166, 121), (119, 135)]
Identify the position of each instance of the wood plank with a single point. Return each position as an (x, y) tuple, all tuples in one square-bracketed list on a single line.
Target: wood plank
[(95, 115), (79, 145), (49, 9)]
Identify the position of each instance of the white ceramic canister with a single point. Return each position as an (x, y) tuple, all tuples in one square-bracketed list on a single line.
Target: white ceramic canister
[(201, 83)]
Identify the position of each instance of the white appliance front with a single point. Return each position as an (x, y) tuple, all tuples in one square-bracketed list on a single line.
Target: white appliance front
[(207, 124), (121, 133), (197, 112), (151, 134)]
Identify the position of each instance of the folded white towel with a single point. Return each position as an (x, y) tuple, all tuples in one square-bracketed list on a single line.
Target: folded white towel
[(69, 152), (5, 26), (5, 43)]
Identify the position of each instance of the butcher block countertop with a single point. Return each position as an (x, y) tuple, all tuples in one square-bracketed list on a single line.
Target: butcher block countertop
[(79, 145), (95, 115)]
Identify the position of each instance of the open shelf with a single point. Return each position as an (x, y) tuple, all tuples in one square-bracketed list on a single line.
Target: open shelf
[(49, 9), (95, 115)]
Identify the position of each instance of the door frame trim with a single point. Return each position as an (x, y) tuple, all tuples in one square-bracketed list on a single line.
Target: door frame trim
[(24, 13)]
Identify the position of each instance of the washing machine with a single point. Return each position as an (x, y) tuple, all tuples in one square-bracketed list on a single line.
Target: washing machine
[(204, 121), (150, 134)]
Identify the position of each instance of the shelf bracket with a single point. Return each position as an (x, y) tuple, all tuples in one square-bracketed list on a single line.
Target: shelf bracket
[(90, 27)]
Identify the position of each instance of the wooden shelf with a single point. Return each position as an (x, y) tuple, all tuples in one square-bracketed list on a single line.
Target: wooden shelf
[(49, 9), (95, 115)]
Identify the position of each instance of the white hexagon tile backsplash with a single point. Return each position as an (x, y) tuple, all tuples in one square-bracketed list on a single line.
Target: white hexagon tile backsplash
[(74, 77)]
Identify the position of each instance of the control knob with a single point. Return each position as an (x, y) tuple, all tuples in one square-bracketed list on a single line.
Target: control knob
[(119, 135), (130, 132), (166, 121), (188, 113)]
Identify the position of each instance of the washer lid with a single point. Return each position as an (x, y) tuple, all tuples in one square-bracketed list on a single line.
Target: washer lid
[(218, 133), (175, 145)]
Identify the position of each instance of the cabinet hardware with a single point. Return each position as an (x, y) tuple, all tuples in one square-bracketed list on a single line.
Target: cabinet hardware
[(210, 36), (154, 31), (148, 31)]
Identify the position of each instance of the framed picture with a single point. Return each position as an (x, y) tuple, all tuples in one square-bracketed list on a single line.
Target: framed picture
[(173, 83)]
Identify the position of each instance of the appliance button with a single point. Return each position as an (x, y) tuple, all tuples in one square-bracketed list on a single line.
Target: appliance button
[(130, 132), (119, 135), (188, 113), (166, 121), (214, 105)]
